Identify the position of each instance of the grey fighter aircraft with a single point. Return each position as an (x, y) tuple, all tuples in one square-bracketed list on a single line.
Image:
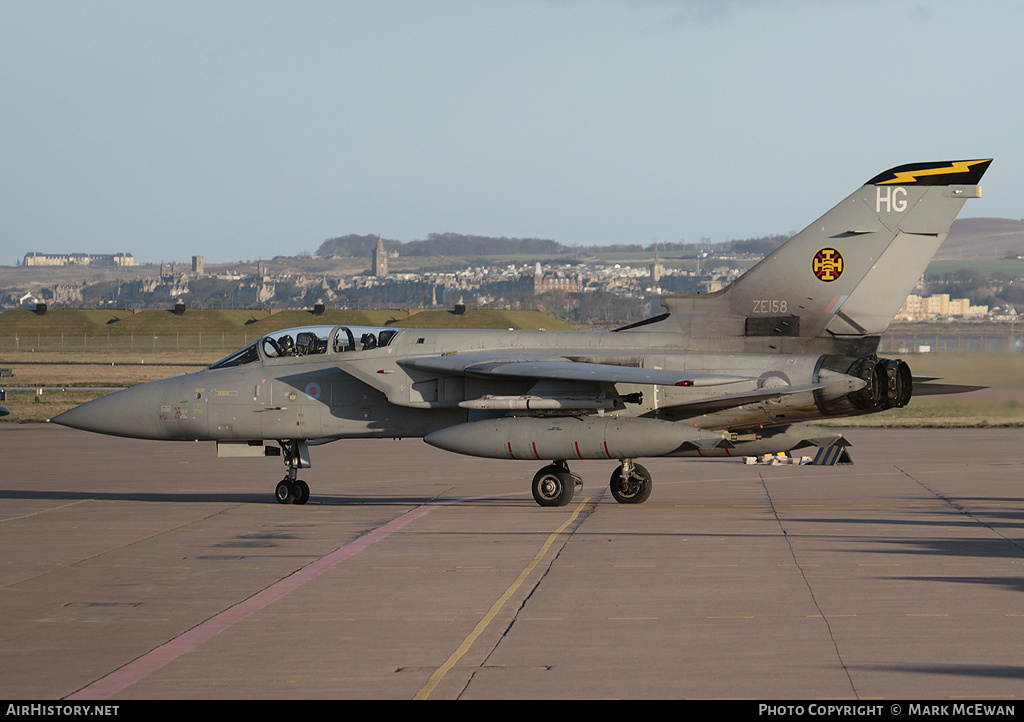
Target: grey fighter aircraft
[(736, 372)]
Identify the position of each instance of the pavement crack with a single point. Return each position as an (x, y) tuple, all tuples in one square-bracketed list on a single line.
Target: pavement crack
[(963, 511), (563, 535), (807, 583)]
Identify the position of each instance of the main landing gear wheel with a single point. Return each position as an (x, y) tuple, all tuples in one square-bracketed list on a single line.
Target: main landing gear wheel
[(553, 486), (631, 483)]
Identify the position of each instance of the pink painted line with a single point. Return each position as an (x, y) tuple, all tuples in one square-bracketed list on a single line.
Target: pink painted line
[(168, 652)]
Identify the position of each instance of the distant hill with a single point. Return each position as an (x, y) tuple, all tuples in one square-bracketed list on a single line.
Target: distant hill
[(460, 246), (438, 244), (983, 238), (532, 320)]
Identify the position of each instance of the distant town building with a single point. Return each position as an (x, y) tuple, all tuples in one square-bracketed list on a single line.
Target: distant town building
[(67, 293), (255, 291), (198, 265), (380, 259), (657, 270), (917, 308), (79, 259), (545, 283)]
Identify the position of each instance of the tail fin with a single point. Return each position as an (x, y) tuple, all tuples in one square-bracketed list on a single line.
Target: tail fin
[(848, 273)]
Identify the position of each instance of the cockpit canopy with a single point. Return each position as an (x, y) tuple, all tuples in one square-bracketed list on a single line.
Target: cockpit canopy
[(310, 340)]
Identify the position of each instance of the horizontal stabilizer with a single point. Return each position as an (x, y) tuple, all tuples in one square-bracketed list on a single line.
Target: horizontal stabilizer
[(762, 394), (923, 386)]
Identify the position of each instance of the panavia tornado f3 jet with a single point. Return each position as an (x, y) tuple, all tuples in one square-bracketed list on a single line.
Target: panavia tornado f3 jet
[(736, 372)]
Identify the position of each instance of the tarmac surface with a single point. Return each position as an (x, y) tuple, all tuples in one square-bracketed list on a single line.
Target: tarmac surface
[(154, 570)]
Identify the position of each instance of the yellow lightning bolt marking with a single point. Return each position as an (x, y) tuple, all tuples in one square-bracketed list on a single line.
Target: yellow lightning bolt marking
[(911, 176)]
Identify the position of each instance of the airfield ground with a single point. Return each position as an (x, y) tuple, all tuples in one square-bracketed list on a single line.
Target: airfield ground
[(153, 570), (143, 570)]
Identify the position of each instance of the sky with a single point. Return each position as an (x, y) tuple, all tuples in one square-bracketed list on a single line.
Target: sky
[(245, 129)]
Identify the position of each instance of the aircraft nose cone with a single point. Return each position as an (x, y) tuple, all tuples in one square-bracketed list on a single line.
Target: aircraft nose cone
[(98, 415), (110, 414), (130, 412)]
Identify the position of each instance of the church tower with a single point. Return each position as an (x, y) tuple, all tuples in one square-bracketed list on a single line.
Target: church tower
[(657, 270), (380, 259)]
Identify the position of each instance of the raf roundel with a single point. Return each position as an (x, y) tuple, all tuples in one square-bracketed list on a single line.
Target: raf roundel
[(827, 265)]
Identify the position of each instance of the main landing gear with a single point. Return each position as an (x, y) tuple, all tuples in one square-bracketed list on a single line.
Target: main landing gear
[(554, 485), (292, 490), (630, 483)]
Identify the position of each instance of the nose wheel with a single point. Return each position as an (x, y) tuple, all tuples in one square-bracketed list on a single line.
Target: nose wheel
[(292, 490)]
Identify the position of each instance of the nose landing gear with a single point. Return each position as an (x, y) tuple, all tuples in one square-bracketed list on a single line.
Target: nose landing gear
[(292, 490)]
